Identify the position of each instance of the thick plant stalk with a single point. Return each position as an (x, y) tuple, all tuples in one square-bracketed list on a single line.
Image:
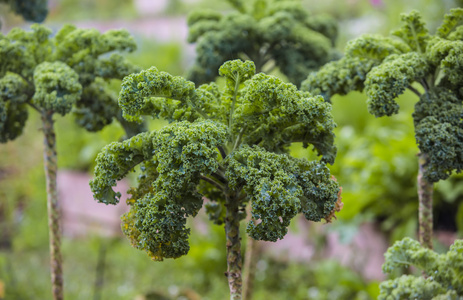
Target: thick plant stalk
[(425, 191), (250, 263), (232, 232), (51, 168)]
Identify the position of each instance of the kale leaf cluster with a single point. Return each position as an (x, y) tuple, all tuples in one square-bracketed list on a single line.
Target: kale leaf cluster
[(220, 142), (64, 73), (278, 32), (412, 58), (444, 272)]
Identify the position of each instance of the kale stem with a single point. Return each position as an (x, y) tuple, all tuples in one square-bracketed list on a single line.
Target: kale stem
[(435, 76), (232, 232), (213, 182), (425, 192), (238, 139), (35, 107), (220, 176), (253, 249), (222, 152), (51, 169), (232, 109), (425, 84), (414, 91)]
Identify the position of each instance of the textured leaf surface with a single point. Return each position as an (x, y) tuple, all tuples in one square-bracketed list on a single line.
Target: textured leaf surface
[(444, 271), (220, 142), (70, 69)]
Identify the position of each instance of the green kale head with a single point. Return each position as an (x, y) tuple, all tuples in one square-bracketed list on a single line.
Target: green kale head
[(229, 143)]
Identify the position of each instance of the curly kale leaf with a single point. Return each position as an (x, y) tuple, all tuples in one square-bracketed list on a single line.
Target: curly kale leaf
[(446, 55), (273, 114), (452, 22), (350, 72), (14, 88), (444, 272), (156, 93), (390, 79), (375, 47), (409, 252), (96, 108), (281, 32), (279, 187), (158, 227), (21, 50), (82, 49), (167, 194), (413, 32), (115, 161), (439, 132), (173, 159), (13, 118), (14, 92), (325, 24), (339, 77), (57, 87), (410, 287)]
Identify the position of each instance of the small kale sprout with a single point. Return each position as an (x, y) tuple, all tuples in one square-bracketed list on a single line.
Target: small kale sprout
[(272, 33), (63, 74), (444, 272), (229, 146), (384, 67)]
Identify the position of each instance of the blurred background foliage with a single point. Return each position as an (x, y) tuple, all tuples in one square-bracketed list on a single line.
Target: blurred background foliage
[(376, 165)]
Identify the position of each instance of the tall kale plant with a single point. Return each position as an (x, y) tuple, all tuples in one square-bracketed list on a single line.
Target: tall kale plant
[(428, 65), (431, 67), (63, 74), (224, 148)]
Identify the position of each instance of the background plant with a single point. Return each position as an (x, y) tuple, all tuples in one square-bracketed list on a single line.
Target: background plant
[(385, 68), (53, 76), (444, 272), (30, 10), (271, 33)]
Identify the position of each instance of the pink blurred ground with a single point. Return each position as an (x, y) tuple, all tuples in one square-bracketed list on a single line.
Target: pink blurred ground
[(81, 214)]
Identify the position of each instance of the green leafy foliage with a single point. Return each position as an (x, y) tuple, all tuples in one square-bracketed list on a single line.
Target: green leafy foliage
[(268, 32), (58, 73), (444, 272), (279, 187), (384, 68), (218, 145), (57, 87), (30, 10)]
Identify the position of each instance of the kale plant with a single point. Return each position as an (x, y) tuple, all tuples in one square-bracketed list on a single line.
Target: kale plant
[(272, 33), (229, 146), (428, 65), (30, 10), (63, 74), (444, 272)]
